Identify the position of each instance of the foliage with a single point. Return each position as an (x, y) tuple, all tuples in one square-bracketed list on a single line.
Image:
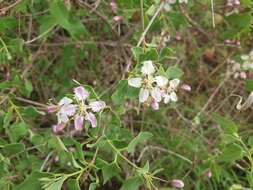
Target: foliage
[(161, 79)]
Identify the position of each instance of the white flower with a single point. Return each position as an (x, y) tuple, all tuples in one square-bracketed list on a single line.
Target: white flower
[(183, 1), (147, 83), (248, 61), (169, 94), (66, 110)]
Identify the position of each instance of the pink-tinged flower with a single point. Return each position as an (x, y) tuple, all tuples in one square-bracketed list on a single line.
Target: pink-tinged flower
[(59, 127), (114, 7), (78, 122), (186, 87), (97, 106), (146, 83), (154, 104), (243, 75), (52, 108), (237, 2), (117, 18), (177, 183), (66, 110), (208, 173), (169, 94), (92, 119), (81, 93)]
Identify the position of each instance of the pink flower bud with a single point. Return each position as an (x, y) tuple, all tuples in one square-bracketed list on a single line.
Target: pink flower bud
[(177, 183), (178, 36), (186, 87), (238, 43), (154, 104), (208, 173), (59, 127), (51, 108), (243, 75), (237, 2), (228, 41), (117, 18), (114, 7)]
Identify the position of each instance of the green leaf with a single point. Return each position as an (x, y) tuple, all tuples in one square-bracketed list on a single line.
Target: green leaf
[(165, 53), (249, 84), (18, 130), (247, 3), (174, 72), (109, 171), (32, 182), (73, 184), (56, 185), (119, 95), (12, 149), (231, 153), (227, 125), (150, 54), (93, 186), (145, 169), (142, 137), (132, 184), (62, 16)]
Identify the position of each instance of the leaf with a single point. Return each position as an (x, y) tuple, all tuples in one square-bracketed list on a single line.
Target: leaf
[(249, 84), (32, 182), (132, 184), (73, 184), (226, 125), (231, 153), (145, 169), (174, 72), (119, 95), (109, 171), (142, 136), (62, 16), (12, 149), (165, 53), (93, 186), (56, 185), (18, 130), (137, 51)]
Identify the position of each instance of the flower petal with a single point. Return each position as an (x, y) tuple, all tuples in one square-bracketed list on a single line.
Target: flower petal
[(81, 93), (143, 96), (69, 110), (166, 99), (177, 183), (78, 122), (59, 127), (174, 83), (92, 119), (51, 108), (161, 81), (134, 82), (173, 96), (65, 101), (154, 104), (147, 68), (97, 106), (62, 118), (156, 94)]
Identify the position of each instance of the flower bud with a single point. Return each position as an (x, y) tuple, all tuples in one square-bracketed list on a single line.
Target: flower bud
[(177, 183), (186, 87), (117, 18)]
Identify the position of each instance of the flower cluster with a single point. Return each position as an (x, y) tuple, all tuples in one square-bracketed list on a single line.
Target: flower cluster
[(233, 3), (237, 70), (248, 61), (154, 88), (78, 108)]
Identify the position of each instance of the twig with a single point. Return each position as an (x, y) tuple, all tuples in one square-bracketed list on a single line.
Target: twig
[(150, 23), (3, 10)]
